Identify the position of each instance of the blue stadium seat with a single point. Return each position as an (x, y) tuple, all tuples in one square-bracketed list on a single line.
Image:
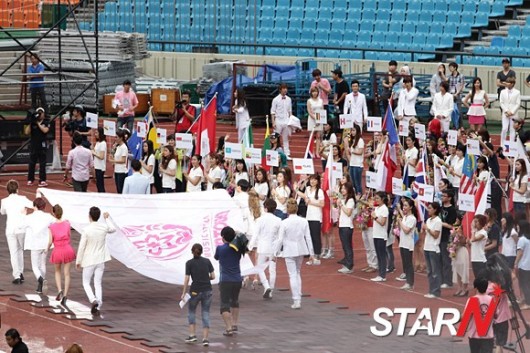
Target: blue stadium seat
[(445, 42), (324, 15), (511, 42), (309, 23), (311, 12), (480, 20), (456, 5), (498, 9), (351, 54), (369, 5), (339, 15), (322, 36), (367, 26), (423, 27), (440, 6), (427, 5), (298, 3), (464, 30), (295, 23), (439, 16), (515, 2), (399, 5), (413, 16), (353, 14), (419, 39), (397, 16), (497, 42), (409, 27), (405, 38), (381, 26), (395, 27), (341, 26), (307, 37), (383, 15), (384, 5), (368, 15), (514, 31), (454, 17), (281, 22), (414, 5), (379, 39), (525, 31), (336, 35), (285, 3)]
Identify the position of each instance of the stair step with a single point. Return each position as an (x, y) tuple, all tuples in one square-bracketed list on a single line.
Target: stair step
[(477, 43), (495, 32), (514, 22)]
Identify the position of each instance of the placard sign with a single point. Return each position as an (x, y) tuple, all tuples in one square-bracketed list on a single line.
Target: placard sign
[(92, 120), (303, 166), (252, 155), (183, 141), (321, 116), (473, 147), (374, 124), (109, 127), (452, 137), (371, 180), (425, 192), (161, 136), (233, 150), (141, 129), (272, 158), (403, 128), (419, 132), (466, 202), (510, 149), (397, 186), (346, 121)]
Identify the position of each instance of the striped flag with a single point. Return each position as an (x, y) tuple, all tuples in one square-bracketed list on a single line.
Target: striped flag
[(151, 128), (467, 185), (327, 222), (421, 178), (266, 146)]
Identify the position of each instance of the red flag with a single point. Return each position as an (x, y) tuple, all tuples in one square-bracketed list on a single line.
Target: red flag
[(327, 222), (387, 167), (206, 128)]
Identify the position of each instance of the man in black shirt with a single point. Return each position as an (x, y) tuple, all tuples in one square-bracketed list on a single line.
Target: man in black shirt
[(448, 216), (494, 233), (77, 123), (341, 90), (503, 75), (37, 128), (14, 341)]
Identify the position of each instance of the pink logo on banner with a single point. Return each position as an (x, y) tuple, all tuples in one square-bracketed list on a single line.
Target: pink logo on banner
[(159, 241)]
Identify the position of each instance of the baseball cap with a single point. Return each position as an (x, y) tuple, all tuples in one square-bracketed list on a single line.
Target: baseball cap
[(39, 110), (274, 135), (506, 60), (337, 72)]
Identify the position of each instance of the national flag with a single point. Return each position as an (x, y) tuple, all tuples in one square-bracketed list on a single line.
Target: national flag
[(467, 184), (484, 198), (266, 146), (151, 128), (439, 174), (387, 167), (389, 124), (206, 128), (135, 146), (405, 179), (248, 137), (468, 217), (421, 178), (327, 222), (309, 150)]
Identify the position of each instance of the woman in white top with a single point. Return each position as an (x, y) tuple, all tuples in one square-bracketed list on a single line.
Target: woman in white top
[(99, 151), (457, 164), (347, 210), (241, 172), (168, 169), (432, 229), (380, 233), (478, 240), (509, 238), (294, 242), (148, 161), (406, 222), (195, 175), (281, 193), (328, 140), (314, 104), (355, 153), (478, 99), (262, 185), (482, 173), (240, 109), (214, 174), (119, 159), (410, 158), (314, 199), (519, 186)]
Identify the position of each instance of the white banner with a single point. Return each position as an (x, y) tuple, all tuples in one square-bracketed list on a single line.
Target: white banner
[(303, 166), (321, 116), (161, 136), (346, 121), (141, 129), (92, 120), (425, 192), (149, 238), (403, 128), (397, 186), (371, 180), (452, 137), (466, 202), (184, 141), (272, 158), (473, 147), (233, 150), (419, 132), (252, 155), (374, 124), (109, 127)]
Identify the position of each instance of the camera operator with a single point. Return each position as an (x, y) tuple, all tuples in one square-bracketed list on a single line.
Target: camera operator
[(184, 113), (76, 122), (37, 128)]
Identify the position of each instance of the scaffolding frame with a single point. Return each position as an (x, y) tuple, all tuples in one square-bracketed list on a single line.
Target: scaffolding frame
[(62, 76)]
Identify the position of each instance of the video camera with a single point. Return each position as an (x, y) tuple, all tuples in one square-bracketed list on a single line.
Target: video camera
[(33, 115), (180, 103)]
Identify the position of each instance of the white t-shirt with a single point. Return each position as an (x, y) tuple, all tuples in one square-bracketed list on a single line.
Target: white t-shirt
[(241, 176), (214, 173), (194, 172), (411, 153), (121, 151), (100, 164), (458, 165), (168, 181), (517, 197), (282, 191), (478, 254), (346, 221), (524, 244), (509, 246), (326, 144), (150, 162), (262, 189), (314, 213), (381, 231), (406, 240), (357, 160), (431, 244)]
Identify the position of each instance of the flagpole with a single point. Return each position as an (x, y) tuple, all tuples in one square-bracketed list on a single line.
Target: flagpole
[(202, 109), (309, 142)]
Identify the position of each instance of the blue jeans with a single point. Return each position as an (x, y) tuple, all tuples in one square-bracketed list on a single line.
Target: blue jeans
[(356, 174), (205, 299), (345, 235), (519, 207), (434, 272)]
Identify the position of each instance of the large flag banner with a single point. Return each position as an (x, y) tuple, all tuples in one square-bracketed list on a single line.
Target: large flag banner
[(207, 126), (327, 222), (389, 124), (421, 178), (387, 167), (467, 185), (150, 238), (151, 128), (266, 147)]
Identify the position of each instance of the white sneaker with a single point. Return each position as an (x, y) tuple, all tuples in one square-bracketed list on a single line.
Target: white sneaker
[(296, 305), (344, 269), (378, 279), (402, 277), (430, 296), (406, 286), (316, 262), (445, 286)]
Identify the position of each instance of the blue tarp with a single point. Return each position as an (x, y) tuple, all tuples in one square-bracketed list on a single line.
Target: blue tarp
[(277, 73)]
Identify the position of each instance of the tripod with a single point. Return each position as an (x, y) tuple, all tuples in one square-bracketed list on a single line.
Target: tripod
[(514, 322)]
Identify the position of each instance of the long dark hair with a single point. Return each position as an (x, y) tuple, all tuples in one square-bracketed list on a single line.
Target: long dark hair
[(317, 178), (165, 160), (473, 91), (510, 223), (482, 160), (101, 134), (240, 161), (350, 192), (523, 171), (150, 149), (263, 172), (241, 101), (357, 135), (413, 210)]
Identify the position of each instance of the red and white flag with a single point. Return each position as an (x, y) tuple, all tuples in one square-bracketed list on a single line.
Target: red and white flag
[(387, 167), (206, 128), (327, 222)]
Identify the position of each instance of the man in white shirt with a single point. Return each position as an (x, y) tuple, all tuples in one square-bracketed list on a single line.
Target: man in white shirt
[(510, 101), (281, 110), (14, 207), (355, 104), (407, 100), (443, 105), (137, 183), (264, 240), (92, 255)]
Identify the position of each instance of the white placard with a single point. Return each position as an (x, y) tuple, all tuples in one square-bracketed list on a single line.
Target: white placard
[(346, 121), (161, 136), (397, 186), (419, 132), (252, 155), (510, 149), (452, 137), (141, 129), (403, 128), (445, 124), (336, 174), (92, 120), (371, 180), (303, 166), (272, 158), (466, 202), (184, 301), (183, 141), (473, 147), (233, 150), (109, 127), (374, 124), (321, 116), (425, 192), (163, 98)]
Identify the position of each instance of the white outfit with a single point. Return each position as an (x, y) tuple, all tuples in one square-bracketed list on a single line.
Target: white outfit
[(356, 105), (478, 254), (510, 101), (13, 206), (262, 189), (509, 246), (458, 165), (368, 240), (346, 221), (431, 244), (314, 213), (194, 172), (240, 176), (214, 173), (264, 239), (121, 151), (284, 192), (92, 255), (407, 102), (168, 181), (357, 160), (150, 162), (411, 153), (443, 105), (37, 237), (242, 122), (99, 148), (281, 108), (294, 242), (517, 197), (325, 145), (315, 104), (476, 108), (380, 231), (406, 240)]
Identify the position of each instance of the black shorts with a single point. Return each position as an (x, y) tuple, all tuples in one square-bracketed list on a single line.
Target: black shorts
[(500, 331), (229, 295)]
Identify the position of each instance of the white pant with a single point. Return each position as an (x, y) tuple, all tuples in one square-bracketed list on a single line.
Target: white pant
[(38, 263), (294, 264), (97, 272), (272, 271), (368, 240), (507, 125), (284, 131), (15, 243)]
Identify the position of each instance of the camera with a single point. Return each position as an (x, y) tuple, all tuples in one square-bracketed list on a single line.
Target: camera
[(180, 103), (33, 116)]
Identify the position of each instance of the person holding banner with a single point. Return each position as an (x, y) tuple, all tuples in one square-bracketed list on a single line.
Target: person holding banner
[(347, 210), (432, 229), (240, 109), (168, 168), (195, 175), (281, 193), (456, 166), (261, 185), (476, 101), (519, 186), (314, 106), (119, 159), (380, 233), (99, 151), (409, 159), (354, 151), (328, 139)]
